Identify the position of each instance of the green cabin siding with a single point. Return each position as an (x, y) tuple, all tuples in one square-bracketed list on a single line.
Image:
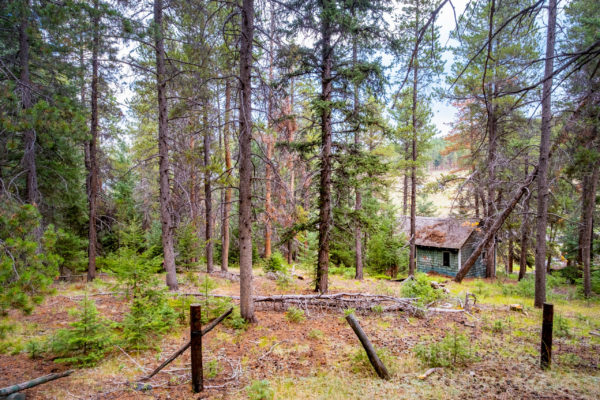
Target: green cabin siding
[(478, 270), (431, 259)]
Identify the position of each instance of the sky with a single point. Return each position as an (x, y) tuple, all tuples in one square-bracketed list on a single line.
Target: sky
[(443, 112)]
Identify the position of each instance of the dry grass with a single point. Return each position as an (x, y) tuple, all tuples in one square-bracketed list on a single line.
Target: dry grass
[(320, 358)]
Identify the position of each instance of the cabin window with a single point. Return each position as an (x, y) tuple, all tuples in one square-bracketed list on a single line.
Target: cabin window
[(446, 258)]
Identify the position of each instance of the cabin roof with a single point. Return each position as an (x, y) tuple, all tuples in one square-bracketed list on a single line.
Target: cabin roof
[(447, 233)]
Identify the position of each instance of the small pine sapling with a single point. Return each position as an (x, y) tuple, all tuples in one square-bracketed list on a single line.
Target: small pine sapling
[(88, 339)]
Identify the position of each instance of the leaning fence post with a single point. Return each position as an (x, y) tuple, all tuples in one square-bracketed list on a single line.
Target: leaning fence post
[(371, 353), (196, 347), (546, 350)]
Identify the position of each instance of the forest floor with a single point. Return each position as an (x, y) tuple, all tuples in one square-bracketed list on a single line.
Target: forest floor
[(320, 357)]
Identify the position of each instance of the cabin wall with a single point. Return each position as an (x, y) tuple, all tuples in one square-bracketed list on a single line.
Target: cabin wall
[(432, 259), (478, 269)]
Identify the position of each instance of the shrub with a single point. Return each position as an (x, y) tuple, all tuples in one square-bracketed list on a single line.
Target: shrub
[(211, 369), (284, 280), (420, 288), (34, 348), (235, 320), (187, 245), (150, 314), (276, 263), (294, 314), (562, 326), (315, 334), (453, 350), (260, 390), (88, 339), (27, 267)]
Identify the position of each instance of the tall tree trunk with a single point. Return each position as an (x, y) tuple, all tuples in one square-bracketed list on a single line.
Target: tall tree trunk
[(245, 217), (524, 232), (492, 149), (358, 198), (268, 203), (405, 182), (509, 266), (290, 165), (163, 150), (590, 185), (325, 180), (542, 176), (227, 205), (92, 181), (208, 194), (269, 140), (412, 260), (32, 193)]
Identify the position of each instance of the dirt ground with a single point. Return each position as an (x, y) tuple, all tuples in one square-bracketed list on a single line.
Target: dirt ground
[(319, 358)]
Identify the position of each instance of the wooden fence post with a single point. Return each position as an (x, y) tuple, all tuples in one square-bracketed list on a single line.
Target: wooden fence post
[(371, 353), (546, 350), (196, 347)]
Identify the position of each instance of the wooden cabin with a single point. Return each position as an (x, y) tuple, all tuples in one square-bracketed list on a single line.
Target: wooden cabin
[(444, 244)]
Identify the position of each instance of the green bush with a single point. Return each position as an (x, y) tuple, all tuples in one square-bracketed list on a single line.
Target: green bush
[(260, 390), (526, 286), (420, 288), (276, 263), (150, 314), (27, 267), (189, 248), (562, 326), (72, 250), (87, 340), (149, 317), (454, 349), (294, 314)]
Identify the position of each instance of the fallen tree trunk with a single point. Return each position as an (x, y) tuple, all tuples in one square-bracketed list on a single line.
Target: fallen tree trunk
[(206, 329), (357, 301), (491, 232), (34, 382)]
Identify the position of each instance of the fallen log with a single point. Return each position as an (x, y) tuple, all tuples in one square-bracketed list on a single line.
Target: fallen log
[(495, 226), (206, 329), (429, 372), (366, 343), (358, 301), (34, 382)]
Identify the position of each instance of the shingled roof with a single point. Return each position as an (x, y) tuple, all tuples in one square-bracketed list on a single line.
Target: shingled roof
[(448, 233)]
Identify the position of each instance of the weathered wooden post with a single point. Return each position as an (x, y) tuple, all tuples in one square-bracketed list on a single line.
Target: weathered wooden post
[(546, 350), (371, 353), (196, 347)]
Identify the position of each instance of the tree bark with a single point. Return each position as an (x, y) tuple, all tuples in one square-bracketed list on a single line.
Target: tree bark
[(358, 197), (269, 143), (325, 180), (509, 264), (268, 204), (92, 180), (208, 194), (491, 230), (163, 150), (524, 234), (227, 205), (412, 260), (245, 216), (32, 193), (492, 150), (542, 178), (590, 185)]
